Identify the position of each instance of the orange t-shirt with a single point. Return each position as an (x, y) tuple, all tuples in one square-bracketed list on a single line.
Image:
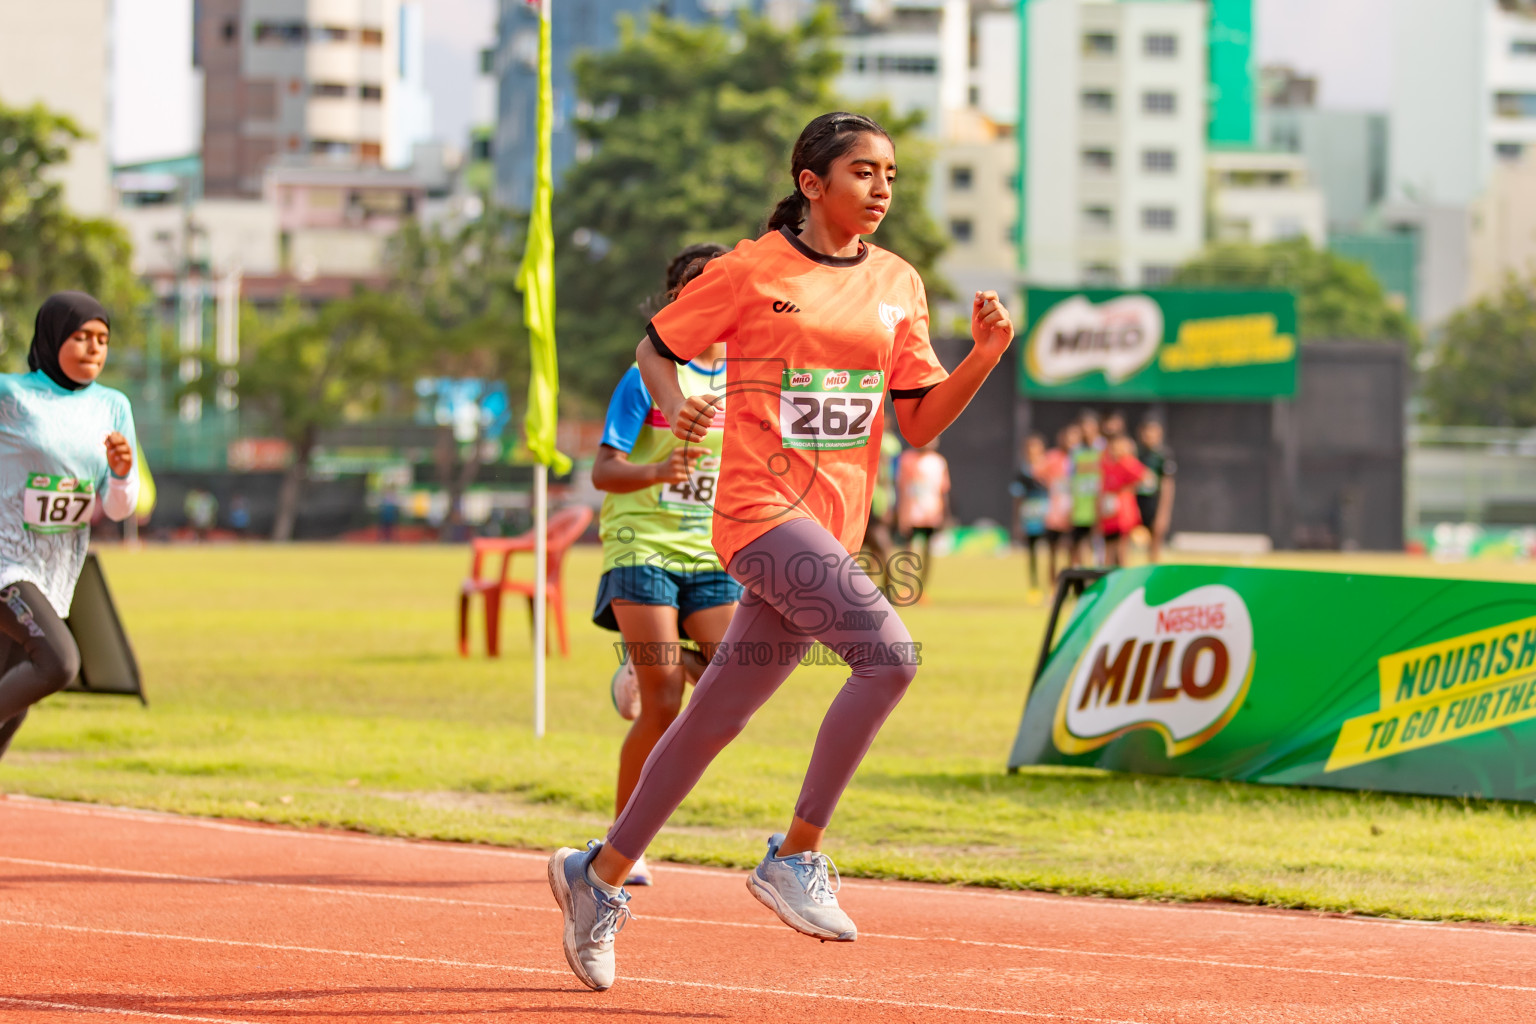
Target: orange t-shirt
[(815, 342)]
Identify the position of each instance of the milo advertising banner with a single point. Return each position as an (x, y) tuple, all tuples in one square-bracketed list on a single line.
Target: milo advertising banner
[(1174, 343), (1294, 678)]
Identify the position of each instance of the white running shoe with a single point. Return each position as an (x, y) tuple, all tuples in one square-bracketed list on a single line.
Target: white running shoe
[(625, 690), (640, 874), (592, 917), (800, 891)]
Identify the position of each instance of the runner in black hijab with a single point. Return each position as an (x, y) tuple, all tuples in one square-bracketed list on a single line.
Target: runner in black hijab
[(61, 315)]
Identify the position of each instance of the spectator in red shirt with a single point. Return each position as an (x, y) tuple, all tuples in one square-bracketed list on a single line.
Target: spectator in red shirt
[(1118, 513)]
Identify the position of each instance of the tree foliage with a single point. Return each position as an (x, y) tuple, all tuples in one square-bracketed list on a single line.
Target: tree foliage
[(1336, 298), (1483, 373), (44, 248), (312, 369), (689, 140)]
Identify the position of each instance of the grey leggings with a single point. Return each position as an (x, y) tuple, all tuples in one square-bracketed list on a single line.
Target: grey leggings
[(800, 586), (40, 656)]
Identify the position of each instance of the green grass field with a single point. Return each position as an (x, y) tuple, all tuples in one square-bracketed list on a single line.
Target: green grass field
[(319, 685)]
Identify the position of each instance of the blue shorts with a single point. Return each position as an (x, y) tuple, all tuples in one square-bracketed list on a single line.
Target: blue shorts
[(688, 592)]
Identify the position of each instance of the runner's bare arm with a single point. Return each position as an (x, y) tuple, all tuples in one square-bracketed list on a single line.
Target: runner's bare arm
[(613, 472), (690, 417), (923, 419)]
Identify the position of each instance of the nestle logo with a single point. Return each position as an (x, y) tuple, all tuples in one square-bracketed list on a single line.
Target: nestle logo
[(1191, 618), (799, 380), (835, 380), (781, 306)]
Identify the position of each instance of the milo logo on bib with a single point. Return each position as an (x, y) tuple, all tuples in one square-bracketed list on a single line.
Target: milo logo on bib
[(829, 409)]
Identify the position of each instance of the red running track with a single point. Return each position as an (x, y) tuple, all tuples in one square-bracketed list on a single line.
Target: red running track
[(116, 915)]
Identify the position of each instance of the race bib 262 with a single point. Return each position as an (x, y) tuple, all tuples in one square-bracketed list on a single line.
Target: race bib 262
[(829, 409)]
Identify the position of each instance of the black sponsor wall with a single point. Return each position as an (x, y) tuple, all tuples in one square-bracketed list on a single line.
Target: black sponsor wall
[(1325, 470)]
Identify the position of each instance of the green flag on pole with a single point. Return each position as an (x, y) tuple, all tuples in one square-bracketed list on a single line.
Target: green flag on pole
[(536, 277)]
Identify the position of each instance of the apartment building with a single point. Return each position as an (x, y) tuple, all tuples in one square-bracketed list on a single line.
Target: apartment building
[(329, 81), (1114, 138)]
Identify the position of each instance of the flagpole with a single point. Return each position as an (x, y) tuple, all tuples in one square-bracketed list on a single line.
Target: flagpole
[(536, 278), (540, 584), (541, 468)]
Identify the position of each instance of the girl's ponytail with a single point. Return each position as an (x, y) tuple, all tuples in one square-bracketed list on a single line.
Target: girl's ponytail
[(790, 213)]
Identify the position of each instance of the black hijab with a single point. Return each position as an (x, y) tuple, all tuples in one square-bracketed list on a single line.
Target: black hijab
[(61, 315)]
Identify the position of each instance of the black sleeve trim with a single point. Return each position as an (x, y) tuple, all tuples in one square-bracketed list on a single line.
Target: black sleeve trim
[(912, 392), (661, 346)]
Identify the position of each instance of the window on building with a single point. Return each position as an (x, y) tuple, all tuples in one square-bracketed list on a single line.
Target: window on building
[(1154, 275), (859, 63), (335, 89), (1509, 150), (1098, 218), (1157, 218), (371, 36), (370, 152), (1523, 48), (961, 178), (907, 64), (231, 30), (281, 32), (1099, 159), (1158, 102), (974, 95), (331, 34), (1100, 275), (330, 147), (1099, 44), (371, 93), (1515, 104), (1160, 44), (1098, 101), (1158, 161), (961, 230)]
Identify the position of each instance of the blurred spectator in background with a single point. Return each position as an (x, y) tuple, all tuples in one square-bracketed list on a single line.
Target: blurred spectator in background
[(1058, 515), (1093, 434), (240, 516), (1087, 467), (1114, 426), (1118, 513), (878, 539), (389, 514), (202, 510), (922, 501), (1031, 501), (1154, 496)]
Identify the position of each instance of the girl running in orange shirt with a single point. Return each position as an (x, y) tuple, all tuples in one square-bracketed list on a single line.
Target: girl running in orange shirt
[(818, 326)]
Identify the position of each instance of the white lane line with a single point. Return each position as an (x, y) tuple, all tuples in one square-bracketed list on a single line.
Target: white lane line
[(907, 888), (42, 1004), (463, 964), (701, 922)]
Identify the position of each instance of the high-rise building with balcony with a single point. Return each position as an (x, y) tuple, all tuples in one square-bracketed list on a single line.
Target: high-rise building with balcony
[(1472, 105), (329, 81)]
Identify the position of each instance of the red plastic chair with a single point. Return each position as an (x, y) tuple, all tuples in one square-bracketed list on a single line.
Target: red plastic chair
[(564, 528)]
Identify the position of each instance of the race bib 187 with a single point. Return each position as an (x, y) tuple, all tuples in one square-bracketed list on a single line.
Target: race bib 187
[(829, 409), (57, 504)]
